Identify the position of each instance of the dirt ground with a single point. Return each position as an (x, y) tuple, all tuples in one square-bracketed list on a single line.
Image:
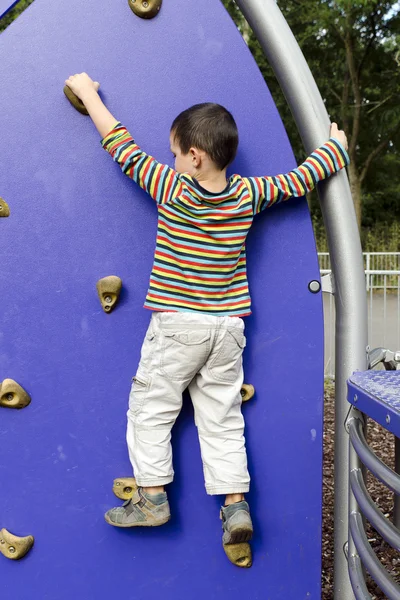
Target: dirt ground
[(382, 442)]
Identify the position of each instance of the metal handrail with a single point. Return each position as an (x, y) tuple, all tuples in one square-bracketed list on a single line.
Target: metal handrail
[(357, 578), (368, 508), (367, 272), (370, 560), (369, 459), (383, 526), (368, 253)]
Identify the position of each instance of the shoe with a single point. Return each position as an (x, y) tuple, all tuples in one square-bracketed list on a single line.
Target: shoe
[(236, 523), (142, 510), (239, 555)]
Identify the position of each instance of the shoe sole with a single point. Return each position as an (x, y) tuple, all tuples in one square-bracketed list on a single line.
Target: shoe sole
[(141, 524), (239, 554), (239, 535)]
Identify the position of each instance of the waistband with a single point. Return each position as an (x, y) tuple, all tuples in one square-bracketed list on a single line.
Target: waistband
[(167, 320)]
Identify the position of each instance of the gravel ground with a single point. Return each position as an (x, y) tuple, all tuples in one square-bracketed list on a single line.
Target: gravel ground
[(382, 442)]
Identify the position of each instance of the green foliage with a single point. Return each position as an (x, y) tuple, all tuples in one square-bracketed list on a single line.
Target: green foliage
[(383, 237), (14, 13), (352, 48), (382, 192)]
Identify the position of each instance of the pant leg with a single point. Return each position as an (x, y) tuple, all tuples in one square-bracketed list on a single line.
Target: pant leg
[(154, 406), (215, 393), (170, 357)]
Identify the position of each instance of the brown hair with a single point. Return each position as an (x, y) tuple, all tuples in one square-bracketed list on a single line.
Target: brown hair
[(208, 127)]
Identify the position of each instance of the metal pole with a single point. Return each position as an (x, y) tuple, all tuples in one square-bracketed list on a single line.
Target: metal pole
[(312, 120), (396, 512)]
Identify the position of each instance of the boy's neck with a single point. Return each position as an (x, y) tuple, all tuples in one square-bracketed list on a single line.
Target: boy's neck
[(213, 181)]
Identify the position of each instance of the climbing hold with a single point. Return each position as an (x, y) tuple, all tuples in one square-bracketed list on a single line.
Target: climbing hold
[(4, 208), (109, 289), (239, 554), (124, 487), (247, 392), (14, 547), (146, 9), (75, 101), (12, 395)]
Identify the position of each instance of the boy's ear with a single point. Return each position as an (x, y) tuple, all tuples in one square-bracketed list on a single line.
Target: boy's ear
[(196, 157)]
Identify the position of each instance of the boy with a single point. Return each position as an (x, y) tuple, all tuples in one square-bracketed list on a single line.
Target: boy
[(198, 294)]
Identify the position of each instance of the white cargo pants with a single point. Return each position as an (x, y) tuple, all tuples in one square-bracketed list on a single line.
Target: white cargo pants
[(203, 353)]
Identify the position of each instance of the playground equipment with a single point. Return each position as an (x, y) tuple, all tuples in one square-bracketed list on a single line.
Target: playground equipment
[(74, 219)]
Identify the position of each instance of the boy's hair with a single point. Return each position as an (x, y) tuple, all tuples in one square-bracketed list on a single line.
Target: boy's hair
[(208, 127)]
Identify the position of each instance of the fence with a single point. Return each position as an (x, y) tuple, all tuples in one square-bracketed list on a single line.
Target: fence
[(382, 283)]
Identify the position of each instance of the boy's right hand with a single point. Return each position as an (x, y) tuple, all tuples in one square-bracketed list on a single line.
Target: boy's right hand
[(82, 85), (339, 135)]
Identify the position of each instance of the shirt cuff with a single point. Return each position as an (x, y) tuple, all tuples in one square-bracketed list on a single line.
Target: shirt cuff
[(341, 148), (110, 135)]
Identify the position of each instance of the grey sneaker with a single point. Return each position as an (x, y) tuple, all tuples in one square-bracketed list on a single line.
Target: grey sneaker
[(142, 510), (236, 523)]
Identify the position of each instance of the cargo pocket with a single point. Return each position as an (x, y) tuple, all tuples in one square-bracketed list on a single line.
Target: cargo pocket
[(138, 394), (183, 353), (226, 365)]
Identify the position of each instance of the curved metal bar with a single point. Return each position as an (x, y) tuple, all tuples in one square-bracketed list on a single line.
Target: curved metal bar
[(357, 578), (309, 112), (370, 560), (369, 459), (369, 509)]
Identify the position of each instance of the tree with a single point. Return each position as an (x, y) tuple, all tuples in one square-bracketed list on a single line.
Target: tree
[(352, 49)]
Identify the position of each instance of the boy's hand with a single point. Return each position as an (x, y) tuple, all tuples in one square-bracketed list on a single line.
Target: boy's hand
[(82, 85), (339, 135), (86, 90)]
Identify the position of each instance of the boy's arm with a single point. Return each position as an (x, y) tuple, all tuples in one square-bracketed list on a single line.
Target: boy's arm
[(322, 163), (160, 181)]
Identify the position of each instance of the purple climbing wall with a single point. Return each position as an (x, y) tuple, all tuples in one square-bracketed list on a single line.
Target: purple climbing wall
[(76, 218)]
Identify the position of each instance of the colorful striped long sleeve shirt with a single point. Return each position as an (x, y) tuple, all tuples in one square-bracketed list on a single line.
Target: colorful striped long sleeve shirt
[(200, 256)]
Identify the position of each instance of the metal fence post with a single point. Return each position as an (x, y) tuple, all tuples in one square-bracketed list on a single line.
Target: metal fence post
[(312, 120)]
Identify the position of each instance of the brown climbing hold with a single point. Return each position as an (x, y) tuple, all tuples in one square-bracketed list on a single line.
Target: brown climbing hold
[(12, 395), (75, 101), (247, 392), (239, 554), (109, 289), (14, 547), (4, 208), (146, 9), (124, 487)]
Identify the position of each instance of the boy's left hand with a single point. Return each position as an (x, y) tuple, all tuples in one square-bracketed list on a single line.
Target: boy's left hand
[(81, 84), (339, 135)]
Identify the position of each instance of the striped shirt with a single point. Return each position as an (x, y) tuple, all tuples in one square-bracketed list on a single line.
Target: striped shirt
[(200, 256)]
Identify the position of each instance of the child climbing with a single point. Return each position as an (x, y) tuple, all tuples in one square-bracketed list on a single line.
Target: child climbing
[(199, 294)]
